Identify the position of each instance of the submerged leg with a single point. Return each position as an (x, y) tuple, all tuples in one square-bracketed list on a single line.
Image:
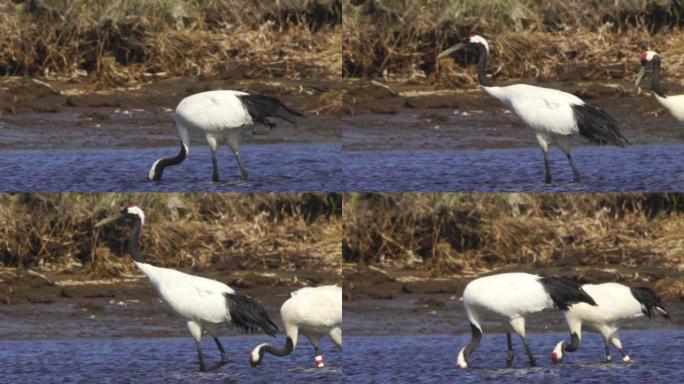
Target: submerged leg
[(211, 139), (233, 139), (518, 325), (318, 358), (509, 356), (544, 144), (618, 345), (608, 357), (224, 355), (196, 332), (575, 172)]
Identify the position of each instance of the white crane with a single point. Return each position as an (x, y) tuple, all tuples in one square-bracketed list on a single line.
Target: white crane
[(509, 297), (221, 115), (313, 312), (674, 104), (615, 303), (202, 303), (554, 116)]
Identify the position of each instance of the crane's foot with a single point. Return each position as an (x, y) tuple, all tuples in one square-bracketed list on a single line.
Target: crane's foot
[(215, 179), (244, 175), (547, 179), (224, 360)]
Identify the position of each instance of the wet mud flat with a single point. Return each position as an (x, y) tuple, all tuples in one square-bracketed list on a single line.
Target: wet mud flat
[(421, 116), (68, 114), (74, 305)]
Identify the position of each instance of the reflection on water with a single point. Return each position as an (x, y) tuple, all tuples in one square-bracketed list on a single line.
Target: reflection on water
[(162, 360), (282, 167), (633, 168), (432, 359)]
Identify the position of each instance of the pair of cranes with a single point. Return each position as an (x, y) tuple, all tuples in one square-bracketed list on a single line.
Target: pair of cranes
[(204, 304), (510, 297), (556, 116)]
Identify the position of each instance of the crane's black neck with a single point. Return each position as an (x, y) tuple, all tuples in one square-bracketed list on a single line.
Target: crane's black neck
[(280, 352), (655, 78), (169, 161), (134, 240), (482, 67)]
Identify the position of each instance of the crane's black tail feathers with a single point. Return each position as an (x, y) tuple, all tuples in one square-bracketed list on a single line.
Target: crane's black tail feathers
[(248, 315), (597, 126), (260, 107), (649, 302), (565, 292)]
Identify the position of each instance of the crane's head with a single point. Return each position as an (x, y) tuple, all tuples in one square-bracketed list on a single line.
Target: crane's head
[(256, 355), (647, 60), (473, 41), (127, 211)]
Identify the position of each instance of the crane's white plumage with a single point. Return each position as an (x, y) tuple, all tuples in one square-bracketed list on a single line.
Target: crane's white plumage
[(313, 312), (554, 116), (508, 298), (673, 103), (221, 116), (616, 303), (202, 303)]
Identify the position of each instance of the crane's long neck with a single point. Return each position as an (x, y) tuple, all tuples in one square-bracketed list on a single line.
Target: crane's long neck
[(655, 78), (482, 68), (284, 351), (134, 240)]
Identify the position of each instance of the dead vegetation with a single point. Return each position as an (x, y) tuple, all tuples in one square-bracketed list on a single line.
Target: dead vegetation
[(449, 234), (55, 233), (127, 41), (545, 40)]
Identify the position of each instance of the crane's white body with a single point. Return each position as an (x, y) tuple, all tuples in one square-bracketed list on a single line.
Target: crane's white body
[(201, 302), (674, 105), (312, 312), (615, 304), (548, 112), (506, 297), (214, 113)]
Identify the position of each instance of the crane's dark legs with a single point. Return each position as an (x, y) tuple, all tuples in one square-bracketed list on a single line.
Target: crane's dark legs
[(203, 367), (509, 356), (547, 166), (224, 355), (575, 172), (533, 362), (233, 140), (213, 144), (243, 172), (608, 358)]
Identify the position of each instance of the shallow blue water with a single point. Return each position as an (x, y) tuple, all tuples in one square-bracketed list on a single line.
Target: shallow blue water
[(159, 360), (603, 169), (276, 168), (657, 356)]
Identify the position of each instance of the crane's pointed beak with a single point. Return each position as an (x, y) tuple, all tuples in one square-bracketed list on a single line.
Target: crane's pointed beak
[(449, 51), (108, 220), (640, 75)]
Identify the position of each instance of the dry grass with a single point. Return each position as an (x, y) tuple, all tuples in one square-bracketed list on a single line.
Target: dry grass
[(548, 40), (124, 41), (55, 232), (452, 232)]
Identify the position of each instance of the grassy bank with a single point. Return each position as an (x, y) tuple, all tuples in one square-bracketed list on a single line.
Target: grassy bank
[(546, 40), (55, 232), (124, 41), (453, 233)]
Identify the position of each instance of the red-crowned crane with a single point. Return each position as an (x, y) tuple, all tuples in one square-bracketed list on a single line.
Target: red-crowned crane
[(554, 116), (673, 103), (221, 115), (509, 297), (312, 312), (203, 303), (615, 304)]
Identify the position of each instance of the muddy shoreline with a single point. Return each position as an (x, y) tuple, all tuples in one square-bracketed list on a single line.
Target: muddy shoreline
[(380, 302), (40, 115), (65, 306)]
